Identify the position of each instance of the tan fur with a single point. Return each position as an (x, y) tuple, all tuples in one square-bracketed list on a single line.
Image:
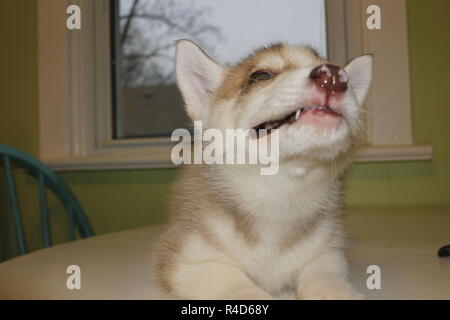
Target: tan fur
[(300, 232), (185, 218), (236, 234), (236, 78)]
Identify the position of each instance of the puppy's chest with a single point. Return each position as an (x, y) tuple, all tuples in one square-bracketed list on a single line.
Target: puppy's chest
[(267, 265), (263, 259)]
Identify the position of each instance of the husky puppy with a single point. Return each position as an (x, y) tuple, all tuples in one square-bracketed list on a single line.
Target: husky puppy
[(237, 234)]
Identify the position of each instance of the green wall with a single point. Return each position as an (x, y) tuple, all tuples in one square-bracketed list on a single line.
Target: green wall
[(118, 200), (425, 183), (18, 75)]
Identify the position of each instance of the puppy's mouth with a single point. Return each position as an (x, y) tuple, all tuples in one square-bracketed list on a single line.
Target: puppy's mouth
[(266, 127)]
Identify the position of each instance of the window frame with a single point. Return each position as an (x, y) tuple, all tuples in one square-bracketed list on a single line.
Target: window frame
[(75, 113)]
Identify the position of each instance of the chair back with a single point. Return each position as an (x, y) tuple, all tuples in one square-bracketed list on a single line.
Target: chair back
[(46, 178)]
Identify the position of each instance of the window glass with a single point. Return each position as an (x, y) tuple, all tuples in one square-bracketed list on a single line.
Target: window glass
[(146, 100)]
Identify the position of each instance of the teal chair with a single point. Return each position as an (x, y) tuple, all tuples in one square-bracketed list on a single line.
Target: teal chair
[(45, 178)]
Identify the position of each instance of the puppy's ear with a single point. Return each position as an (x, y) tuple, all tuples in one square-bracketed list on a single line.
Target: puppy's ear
[(198, 76), (359, 71)]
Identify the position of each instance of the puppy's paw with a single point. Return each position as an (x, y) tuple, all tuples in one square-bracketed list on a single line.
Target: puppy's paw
[(330, 290)]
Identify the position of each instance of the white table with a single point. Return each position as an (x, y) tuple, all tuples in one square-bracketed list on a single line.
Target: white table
[(117, 265)]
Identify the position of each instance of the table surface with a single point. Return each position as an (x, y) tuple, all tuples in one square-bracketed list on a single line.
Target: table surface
[(402, 243)]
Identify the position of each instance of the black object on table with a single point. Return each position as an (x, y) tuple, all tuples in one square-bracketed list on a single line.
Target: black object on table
[(444, 251)]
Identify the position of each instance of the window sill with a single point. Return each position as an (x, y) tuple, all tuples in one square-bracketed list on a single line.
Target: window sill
[(394, 153), (162, 160)]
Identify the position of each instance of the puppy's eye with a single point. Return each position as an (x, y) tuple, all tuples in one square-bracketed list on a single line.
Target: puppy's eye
[(260, 76)]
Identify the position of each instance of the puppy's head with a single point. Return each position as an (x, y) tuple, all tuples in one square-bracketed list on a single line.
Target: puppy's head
[(314, 105)]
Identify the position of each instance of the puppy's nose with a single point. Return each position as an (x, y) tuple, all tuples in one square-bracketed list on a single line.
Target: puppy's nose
[(330, 77)]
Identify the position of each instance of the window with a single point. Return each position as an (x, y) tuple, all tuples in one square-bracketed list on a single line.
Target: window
[(146, 100), (107, 92)]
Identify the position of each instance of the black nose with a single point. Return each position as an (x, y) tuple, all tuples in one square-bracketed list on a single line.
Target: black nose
[(330, 77)]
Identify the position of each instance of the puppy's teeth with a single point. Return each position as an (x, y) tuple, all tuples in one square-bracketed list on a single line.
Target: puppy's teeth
[(297, 114)]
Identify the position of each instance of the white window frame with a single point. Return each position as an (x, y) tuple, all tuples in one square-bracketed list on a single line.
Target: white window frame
[(75, 113)]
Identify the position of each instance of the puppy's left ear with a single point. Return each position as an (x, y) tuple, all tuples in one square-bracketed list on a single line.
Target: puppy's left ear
[(198, 77), (359, 71)]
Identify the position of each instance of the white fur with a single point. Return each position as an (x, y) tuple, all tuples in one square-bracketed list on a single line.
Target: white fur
[(198, 77), (306, 186), (360, 76)]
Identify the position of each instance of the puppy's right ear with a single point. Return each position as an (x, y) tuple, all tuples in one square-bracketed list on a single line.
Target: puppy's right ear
[(359, 71), (198, 77)]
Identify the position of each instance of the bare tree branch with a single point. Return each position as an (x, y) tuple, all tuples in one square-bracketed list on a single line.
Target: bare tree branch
[(148, 32), (128, 22)]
